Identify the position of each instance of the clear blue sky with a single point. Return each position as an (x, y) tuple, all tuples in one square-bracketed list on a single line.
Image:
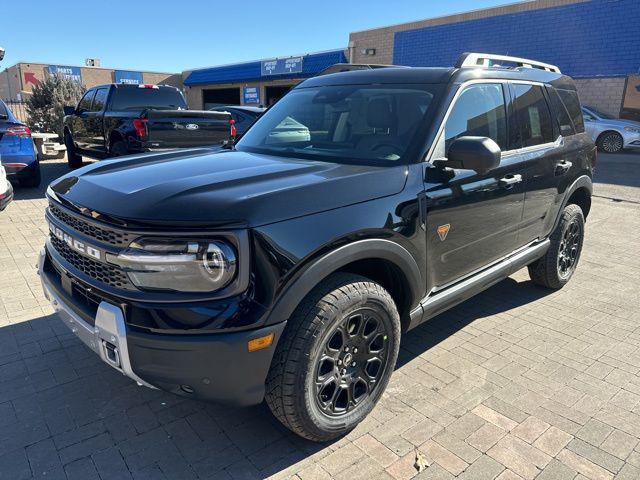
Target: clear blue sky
[(172, 36)]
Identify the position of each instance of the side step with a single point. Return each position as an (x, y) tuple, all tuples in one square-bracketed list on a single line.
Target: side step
[(437, 303)]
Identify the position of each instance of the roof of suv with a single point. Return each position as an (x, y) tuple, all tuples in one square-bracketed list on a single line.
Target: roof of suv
[(427, 75), (130, 85)]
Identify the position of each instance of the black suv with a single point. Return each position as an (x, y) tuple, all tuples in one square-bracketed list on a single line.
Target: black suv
[(360, 205)]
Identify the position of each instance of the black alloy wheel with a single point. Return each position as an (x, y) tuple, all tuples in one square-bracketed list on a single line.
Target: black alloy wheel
[(354, 355), (570, 247)]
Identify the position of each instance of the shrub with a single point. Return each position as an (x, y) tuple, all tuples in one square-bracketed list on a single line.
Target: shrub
[(45, 104)]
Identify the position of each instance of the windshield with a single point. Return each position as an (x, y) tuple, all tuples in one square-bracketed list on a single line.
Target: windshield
[(143, 98), (601, 114), (349, 122)]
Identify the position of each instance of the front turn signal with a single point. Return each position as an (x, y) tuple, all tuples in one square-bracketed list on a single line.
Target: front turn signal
[(260, 342)]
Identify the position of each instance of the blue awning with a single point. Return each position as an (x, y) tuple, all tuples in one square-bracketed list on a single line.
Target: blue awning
[(312, 64)]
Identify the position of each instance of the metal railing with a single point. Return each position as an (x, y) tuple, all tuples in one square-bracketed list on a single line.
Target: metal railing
[(19, 109)]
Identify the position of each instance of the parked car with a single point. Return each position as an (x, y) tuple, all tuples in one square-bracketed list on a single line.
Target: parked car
[(120, 119), (6, 190), (289, 271), (17, 151), (243, 116), (611, 134)]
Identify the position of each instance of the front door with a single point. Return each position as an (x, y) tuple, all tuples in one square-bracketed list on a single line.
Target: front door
[(473, 219)]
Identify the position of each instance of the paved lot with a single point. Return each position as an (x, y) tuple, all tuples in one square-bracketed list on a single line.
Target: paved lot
[(514, 383)]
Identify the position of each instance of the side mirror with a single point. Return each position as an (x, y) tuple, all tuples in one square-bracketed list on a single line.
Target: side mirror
[(69, 110), (474, 153)]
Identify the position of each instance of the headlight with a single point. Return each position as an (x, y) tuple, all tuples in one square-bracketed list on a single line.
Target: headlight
[(632, 129), (180, 265)]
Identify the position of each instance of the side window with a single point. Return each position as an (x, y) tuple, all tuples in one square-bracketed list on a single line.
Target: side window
[(100, 99), (533, 115), (570, 100), (85, 103), (479, 111), (560, 113)]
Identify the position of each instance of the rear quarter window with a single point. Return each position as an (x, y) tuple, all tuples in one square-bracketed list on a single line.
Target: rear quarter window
[(572, 104), (560, 113)]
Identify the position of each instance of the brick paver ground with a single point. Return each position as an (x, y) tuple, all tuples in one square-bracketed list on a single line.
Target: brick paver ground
[(516, 383)]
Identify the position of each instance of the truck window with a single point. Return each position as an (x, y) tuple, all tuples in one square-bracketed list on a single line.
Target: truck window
[(560, 113), (134, 98), (479, 111), (572, 103), (85, 102), (100, 99), (533, 115)]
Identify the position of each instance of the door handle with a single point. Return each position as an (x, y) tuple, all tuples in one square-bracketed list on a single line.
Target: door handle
[(510, 180), (562, 167)]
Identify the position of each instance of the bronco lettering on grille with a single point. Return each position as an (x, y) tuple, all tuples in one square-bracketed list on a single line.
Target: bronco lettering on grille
[(75, 244)]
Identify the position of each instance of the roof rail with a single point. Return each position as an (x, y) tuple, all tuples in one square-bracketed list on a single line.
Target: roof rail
[(348, 67), (486, 60)]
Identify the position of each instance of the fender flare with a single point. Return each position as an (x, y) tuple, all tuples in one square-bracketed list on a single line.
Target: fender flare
[(321, 268), (583, 181)]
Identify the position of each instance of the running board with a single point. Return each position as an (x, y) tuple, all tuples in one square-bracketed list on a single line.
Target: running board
[(437, 303)]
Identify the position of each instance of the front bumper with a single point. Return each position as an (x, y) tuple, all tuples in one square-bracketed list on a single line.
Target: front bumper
[(215, 367)]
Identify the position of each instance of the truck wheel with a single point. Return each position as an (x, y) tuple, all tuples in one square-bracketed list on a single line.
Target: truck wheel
[(335, 358), (73, 159), (118, 149), (610, 142), (557, 266)]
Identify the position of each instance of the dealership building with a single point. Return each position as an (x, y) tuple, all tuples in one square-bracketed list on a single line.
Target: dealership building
[(19, 79), (597, 42), (259, 82)]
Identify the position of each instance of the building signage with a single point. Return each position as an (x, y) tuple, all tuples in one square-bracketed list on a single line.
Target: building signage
[(130, 78), (73, 73), (251, 95), (281, 66)]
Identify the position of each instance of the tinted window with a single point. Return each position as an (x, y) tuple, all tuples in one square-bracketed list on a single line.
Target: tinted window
[(571, 102), (85, 102), (100, 99), (350, 122), (560, 113), (142, 98), (533, 115), (478, 111)]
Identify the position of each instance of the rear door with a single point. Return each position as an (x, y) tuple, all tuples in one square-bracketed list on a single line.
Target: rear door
[(79, 123), (544, 152), (473, 219), (95, 121)]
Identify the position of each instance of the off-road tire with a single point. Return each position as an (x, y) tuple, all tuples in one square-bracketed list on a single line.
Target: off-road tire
[(73, 159), (293, 369), (610, 142), (546, 271)]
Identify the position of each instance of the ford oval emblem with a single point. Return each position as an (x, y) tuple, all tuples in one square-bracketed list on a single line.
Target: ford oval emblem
[(192, 126)]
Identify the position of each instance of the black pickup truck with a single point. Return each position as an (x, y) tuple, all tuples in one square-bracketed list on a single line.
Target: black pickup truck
[(119, 119)]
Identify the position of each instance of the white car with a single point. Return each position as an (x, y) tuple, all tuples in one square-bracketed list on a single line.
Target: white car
[(611, 134), (6, 190)]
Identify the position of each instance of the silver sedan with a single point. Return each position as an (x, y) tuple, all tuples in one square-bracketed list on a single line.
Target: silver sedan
[(611, 134)]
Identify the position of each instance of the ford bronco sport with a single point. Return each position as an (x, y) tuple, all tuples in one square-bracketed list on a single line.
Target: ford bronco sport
[(360, 205)]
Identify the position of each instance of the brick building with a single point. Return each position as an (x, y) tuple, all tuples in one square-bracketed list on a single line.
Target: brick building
[(595, 41), (18, 80)]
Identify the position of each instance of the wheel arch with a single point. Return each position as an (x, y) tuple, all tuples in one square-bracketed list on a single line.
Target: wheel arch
[(382, 261), (578, 193), (604, 133)]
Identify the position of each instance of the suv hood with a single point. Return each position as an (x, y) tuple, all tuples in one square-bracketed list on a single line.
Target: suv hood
[(231, 188)]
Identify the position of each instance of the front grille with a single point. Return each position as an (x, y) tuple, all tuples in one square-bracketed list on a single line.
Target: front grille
[(105, 235), (102, 272)]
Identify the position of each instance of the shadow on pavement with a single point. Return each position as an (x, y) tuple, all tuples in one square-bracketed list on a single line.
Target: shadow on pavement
[(59, 389)]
